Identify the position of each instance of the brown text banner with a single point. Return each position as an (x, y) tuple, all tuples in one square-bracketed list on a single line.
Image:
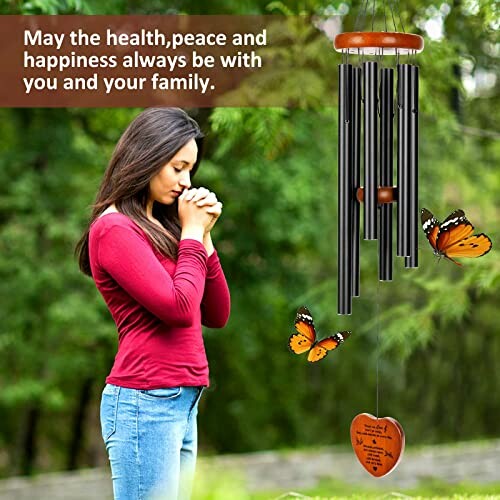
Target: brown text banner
[(140, 61)]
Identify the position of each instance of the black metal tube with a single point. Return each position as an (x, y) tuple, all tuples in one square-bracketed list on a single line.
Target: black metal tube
[(370, 93), (356, 149), (386, 172), (403, 165), (344, 263), (412, 260)]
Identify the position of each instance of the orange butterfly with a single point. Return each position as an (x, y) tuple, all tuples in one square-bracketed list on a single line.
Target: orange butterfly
[(305, 338), (454, 238)]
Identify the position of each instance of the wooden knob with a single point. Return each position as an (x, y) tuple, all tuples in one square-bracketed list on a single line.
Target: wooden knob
[(386, 194)]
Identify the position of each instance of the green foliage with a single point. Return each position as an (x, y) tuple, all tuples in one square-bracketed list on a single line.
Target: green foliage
[(298, 69), (44, 7), (54, 331), (275, 171)]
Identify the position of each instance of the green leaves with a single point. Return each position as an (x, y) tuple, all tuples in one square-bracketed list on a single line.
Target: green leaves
[(54, 7), (275, 170)]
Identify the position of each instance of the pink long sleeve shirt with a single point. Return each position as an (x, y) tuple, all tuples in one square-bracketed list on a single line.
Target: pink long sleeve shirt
[(158, 305)]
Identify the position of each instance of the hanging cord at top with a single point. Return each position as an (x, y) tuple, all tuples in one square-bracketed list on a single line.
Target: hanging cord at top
[(392, 15), (363, 11), (399, 15), (385, 18)]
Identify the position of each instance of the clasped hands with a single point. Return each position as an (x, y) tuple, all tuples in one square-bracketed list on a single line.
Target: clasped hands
[(199, 207)]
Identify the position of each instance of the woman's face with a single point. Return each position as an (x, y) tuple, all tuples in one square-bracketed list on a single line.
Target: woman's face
[(175, 176)]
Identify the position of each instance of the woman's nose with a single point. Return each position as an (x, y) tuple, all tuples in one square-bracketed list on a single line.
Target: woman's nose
[(185, 180)]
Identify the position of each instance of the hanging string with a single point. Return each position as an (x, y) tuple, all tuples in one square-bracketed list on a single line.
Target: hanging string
[(377, 313), (362, 11), (373, 14), (385, 18), (399, 15), (392, 15), (400, 20)]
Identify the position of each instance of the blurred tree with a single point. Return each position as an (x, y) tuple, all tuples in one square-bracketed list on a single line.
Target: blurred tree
[(275, 170), (55, 335)]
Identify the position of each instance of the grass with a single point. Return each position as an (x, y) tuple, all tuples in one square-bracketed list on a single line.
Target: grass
[(426, 489), (222, 485), (224, 482)]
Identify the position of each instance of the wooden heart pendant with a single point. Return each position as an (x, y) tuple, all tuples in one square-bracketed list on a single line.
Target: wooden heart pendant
[(378, 443)]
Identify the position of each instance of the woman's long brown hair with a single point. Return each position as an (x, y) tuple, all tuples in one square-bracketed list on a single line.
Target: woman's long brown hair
[(149, 143)]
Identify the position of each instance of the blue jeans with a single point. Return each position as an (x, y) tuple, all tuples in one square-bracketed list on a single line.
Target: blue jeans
[(151, 440)]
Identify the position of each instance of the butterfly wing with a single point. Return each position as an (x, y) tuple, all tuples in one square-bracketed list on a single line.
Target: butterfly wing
[(305, 337), (299, 343), (472, 246), (455, 238), (430, 225), (455, 228), (321, 349)]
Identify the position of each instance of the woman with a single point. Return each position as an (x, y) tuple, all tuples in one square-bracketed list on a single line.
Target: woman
[(149, 250)]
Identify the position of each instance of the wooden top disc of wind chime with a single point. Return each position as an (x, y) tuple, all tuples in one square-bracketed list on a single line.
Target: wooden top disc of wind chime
[(378, 43)]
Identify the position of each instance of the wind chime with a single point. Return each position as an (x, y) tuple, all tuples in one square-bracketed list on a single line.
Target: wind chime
[(367, 101)]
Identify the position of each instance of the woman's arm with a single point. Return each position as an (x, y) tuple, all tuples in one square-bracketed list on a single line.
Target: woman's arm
[(207, 243), (126, 254), (216, 301)]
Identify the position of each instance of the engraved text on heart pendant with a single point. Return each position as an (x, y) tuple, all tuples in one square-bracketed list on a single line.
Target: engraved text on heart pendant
[(378, 443)]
